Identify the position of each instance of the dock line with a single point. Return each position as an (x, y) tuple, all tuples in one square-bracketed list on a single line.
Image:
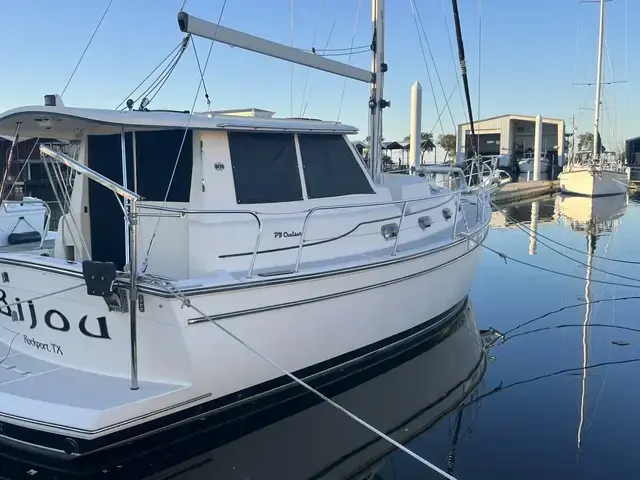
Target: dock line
[(544, 269), (169, 288)]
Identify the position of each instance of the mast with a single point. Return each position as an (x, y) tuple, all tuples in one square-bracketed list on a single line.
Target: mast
[(596, 119), (465, 80), (376, 101)]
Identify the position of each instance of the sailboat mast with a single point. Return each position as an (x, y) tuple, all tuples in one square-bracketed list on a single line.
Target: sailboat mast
[(377, 102), (596, 119)]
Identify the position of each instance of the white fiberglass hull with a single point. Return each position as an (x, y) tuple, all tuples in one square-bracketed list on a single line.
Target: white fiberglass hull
[(188, 366), (593, 183)]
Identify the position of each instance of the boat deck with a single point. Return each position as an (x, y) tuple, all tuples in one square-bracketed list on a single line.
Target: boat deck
[(47, 245), (35, 390)]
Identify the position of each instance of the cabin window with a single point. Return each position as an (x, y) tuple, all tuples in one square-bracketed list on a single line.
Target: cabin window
[(156, 154), (330, 168), (265, 167)]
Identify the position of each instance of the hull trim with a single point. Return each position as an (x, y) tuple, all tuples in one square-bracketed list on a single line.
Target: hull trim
[(53, 444), (147, 288), (268, 308)]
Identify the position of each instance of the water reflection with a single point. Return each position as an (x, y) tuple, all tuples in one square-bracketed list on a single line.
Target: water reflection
[(403, 402), (509, 216), (403, 395), (593, 216)]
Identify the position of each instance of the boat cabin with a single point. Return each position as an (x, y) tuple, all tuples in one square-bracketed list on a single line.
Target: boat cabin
[(206, 179)]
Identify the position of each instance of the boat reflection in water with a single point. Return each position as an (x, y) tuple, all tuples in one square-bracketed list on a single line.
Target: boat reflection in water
[(403, 395), (595, 216)]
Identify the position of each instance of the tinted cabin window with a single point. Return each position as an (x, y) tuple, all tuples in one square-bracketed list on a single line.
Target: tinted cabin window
[(265, 167), (330, 168), (156, 154)]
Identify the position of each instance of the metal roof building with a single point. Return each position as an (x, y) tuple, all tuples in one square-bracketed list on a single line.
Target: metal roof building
[(511, 135)]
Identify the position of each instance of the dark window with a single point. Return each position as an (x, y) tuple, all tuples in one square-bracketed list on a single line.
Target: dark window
[(156, 154), (265, 167), (330, 168)]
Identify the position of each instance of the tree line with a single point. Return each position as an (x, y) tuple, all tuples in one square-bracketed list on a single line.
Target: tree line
[(446, 142)]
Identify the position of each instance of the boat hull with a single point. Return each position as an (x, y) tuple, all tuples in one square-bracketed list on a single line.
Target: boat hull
[(314, 328), (590, 183)]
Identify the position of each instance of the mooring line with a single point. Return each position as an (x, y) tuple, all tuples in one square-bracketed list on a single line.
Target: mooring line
[(168, 287), (506, 257)]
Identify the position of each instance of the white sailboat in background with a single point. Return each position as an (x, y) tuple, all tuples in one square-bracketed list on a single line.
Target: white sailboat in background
[(596, 173), (269, 249)]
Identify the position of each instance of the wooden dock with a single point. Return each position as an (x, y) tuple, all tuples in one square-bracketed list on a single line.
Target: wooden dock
[(513, 192)]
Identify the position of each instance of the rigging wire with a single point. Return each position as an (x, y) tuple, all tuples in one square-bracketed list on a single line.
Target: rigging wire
[(8, 195), (163, 78), (145, 263), (86, 48), (304, 110), (426, 65), (204, 84), (435, 65), (453, 60), (456, 87), (186, 302), (353, 39), (291, 66), (313, 44), (365, 48), (181, 44)]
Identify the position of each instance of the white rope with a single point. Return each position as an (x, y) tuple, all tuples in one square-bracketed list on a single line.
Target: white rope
[(168, 287)]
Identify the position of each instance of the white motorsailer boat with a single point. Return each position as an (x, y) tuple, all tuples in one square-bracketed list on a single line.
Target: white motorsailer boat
[(23, 222), (264, 239), (600, 173)]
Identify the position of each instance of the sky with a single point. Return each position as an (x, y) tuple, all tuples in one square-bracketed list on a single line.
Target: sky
[(523, 57)]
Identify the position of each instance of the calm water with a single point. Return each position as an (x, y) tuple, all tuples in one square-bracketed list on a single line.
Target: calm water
[(526, 410)]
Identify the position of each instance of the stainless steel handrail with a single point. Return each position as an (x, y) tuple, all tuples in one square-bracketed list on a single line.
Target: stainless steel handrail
[(35, 201), (187, 211), (361, 205), (181, 212)]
